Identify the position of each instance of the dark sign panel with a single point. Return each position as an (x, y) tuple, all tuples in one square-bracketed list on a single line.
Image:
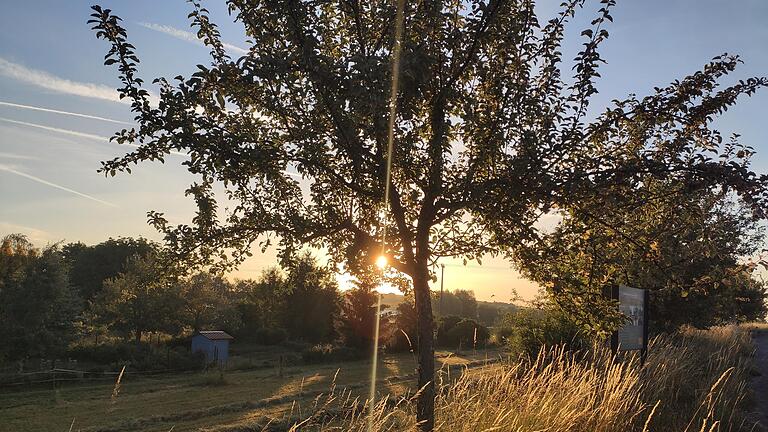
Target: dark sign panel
[(632, 304)]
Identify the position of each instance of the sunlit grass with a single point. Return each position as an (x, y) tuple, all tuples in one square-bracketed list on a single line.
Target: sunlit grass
[(693, 381)]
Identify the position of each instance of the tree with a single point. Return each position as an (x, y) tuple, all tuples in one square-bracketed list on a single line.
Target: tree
[(489, 135), (404, 328), (90, 266), (459, 302), (312, 301), (141, 299), (208, 301), (685, 246), (262, 303), (37, 305), (357, 323)]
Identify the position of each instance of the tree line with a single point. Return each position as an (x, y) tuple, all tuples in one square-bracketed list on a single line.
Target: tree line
[(65, 294)]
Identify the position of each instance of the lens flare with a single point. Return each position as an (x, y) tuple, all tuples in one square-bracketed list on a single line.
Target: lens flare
[(381, 262)]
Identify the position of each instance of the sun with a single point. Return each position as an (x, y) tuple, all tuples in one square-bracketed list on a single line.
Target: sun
[(381, 262)]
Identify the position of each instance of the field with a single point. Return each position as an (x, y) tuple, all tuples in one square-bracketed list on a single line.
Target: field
[(203, 400), (693, 381)]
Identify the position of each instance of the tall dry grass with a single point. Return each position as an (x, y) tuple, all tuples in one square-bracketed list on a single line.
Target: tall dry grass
[(694, 381)]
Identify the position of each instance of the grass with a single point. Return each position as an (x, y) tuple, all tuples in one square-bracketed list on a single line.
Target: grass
[(197, 400), (694, 381)]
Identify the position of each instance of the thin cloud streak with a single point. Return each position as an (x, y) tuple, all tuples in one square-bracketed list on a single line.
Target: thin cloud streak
[(58, 130), (54, 111), (4, 155), (95, 137), (54, 185), (76, 134), (186, 35), (62, 85)]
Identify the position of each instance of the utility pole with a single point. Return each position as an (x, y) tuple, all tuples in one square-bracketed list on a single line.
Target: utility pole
[(442, 278)]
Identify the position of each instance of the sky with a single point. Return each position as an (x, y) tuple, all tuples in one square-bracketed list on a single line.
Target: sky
[(58, 105)]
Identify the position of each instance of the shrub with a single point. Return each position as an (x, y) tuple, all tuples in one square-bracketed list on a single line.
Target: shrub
[(527, 330), (269, 336), (467, 333), (142, 357), (453, 331)]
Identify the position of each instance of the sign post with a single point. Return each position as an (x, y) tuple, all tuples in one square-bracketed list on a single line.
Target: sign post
[(633, 336)]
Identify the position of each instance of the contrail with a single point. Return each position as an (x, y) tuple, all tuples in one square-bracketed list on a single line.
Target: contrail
[(92, 117), (54, 185), (57, 130), (96, 137), (76, 133), (62, 85), (186, 36)]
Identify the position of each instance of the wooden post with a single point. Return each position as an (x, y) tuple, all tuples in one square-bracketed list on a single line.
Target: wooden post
[(611, 292), (646, 318), (615, 335)]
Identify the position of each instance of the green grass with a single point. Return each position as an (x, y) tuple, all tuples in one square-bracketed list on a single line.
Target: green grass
[(194, 400)]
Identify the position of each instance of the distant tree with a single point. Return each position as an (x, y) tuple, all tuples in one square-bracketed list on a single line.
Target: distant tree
[(38, 307), (208, 302), (468, 334), (143, 298), (488, 134), (403, 335), (262, 303), (91, 266), (489, 313), (459, 302), (357, 322), (687, 246), (312, 301)]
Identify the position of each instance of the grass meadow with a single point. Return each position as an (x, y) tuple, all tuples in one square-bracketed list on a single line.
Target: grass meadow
[(694, 381)]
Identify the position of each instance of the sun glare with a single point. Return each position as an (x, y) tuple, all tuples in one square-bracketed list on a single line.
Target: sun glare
[(381, 262)]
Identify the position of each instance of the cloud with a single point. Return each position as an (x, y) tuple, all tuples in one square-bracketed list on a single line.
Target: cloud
[(16, 156), (95, 137), (186, 35), (57, 84), (36, 236), (74, 133), (49, 110), (62, 85), (57, 130), (11, 170)]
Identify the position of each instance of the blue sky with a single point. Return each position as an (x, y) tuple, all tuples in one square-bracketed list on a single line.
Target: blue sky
[(50, 59)]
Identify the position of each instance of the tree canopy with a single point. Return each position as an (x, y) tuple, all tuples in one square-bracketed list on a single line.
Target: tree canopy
[(489, 134)]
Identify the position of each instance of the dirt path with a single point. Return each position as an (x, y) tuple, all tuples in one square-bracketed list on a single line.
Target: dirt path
[(760, 382)]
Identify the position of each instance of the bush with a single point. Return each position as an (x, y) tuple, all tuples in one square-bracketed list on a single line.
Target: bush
[(142, 357), (467, 333), (326, 353), (527, 330), (269, 336), (453, 331), (402, 341)]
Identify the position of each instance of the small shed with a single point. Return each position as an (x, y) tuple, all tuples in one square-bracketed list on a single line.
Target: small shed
[(214, 344)]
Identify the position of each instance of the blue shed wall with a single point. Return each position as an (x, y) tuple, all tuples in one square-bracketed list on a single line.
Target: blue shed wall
[(214, 350)]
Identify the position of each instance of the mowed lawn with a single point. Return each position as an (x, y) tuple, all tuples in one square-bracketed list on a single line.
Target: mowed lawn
[(199, 400)]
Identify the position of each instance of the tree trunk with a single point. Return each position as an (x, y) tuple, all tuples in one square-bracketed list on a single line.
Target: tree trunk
[(138, 337), (425, 403)]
